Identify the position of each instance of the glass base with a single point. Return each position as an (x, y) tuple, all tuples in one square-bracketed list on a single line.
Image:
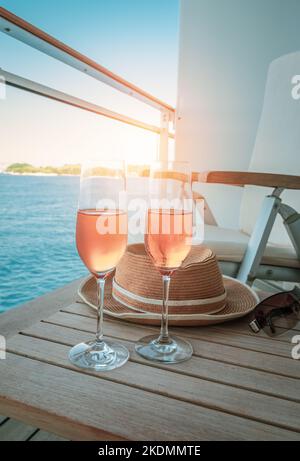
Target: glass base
[(174, 351), (99, 356)]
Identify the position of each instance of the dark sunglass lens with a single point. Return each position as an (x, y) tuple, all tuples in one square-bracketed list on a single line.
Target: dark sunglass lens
[(297, 309), (276, 314)]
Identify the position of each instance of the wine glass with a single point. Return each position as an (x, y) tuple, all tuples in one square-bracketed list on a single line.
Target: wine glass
[(168, 240), (101, 239)]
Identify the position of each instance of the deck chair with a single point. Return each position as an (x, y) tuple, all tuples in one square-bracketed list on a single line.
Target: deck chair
[(267, 244)]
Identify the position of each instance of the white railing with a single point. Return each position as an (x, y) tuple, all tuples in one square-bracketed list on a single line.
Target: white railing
[(20, 29)]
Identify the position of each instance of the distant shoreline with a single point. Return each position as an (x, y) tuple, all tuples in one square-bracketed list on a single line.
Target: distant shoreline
[(30, 170), (10, 173)]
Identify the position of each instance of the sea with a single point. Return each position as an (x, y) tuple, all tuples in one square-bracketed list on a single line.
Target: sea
[(37, 236)]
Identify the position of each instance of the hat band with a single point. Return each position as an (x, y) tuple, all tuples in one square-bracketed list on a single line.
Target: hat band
[(134, 301)]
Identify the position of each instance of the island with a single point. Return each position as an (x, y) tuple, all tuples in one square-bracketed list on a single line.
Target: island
[(67, 170), (27, 168)]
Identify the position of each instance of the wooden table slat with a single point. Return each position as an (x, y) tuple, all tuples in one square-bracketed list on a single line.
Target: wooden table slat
[(184, 388), (91, 407), (44, 436), (237, 386), (218, 336), (207, 349), (2, 419), (212, 370), (284, 335), (14, 320), (13, 430), (240, 326)]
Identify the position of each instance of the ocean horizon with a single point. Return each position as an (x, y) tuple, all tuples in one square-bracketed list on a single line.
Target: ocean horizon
[(37, 236)]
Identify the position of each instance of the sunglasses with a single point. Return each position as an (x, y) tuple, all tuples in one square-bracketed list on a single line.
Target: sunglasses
[(277, 313)]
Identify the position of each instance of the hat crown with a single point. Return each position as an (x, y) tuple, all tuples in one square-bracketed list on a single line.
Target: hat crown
[(196, 287)]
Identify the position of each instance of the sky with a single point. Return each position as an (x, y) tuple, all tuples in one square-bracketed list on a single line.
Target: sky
[(137, 39)]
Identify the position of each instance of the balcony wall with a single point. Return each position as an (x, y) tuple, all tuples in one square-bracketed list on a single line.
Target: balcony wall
[(226, 47)]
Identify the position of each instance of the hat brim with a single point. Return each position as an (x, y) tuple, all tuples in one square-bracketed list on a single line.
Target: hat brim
[(241, 300)]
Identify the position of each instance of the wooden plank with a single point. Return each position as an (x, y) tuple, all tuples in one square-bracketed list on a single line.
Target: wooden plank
[(243, 329), (206, 349), (239, 326), (94, 408), (2, 419), (243, 178), (13, 430), (80, 308), (240, 341), (236, 340), (231, 400), (212, 370), (44, 436), (14, 320)]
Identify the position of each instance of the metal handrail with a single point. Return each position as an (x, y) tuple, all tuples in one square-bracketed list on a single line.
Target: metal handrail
[(37, 38), (41, 90)]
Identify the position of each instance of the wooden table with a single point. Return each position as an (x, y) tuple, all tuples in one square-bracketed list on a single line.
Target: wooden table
[(237, 386)]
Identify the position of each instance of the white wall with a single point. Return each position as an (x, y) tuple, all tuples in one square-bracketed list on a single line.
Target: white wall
[(226, 47)]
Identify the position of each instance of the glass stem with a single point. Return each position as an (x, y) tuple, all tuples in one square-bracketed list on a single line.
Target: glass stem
[(100, 300), (164, 334)]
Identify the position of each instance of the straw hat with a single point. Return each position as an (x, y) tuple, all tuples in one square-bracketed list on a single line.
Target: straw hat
[(199, 294)]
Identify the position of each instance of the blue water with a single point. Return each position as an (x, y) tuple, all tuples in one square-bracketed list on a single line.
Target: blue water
[(37, 246)]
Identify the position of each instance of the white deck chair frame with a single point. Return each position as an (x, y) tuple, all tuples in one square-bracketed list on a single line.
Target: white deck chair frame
[(251, 267)]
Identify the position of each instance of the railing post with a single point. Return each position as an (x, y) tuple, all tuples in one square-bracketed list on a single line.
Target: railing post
[(164, 135)]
